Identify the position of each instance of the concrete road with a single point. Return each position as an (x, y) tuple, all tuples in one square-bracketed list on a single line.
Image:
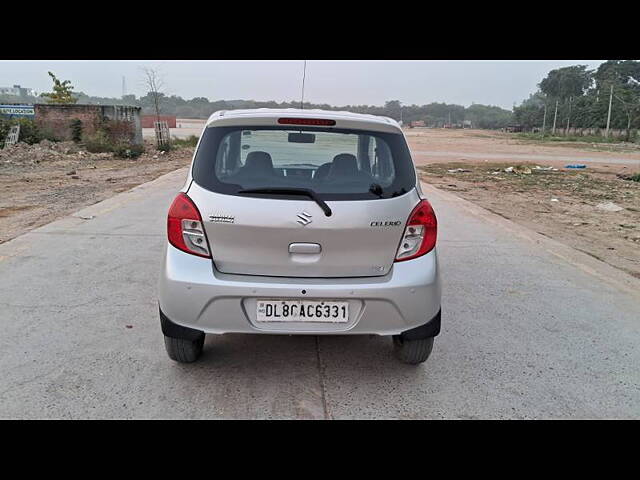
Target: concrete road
[(531, 329)]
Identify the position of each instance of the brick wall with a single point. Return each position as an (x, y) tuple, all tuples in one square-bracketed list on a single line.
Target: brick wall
[(574, 131), (57, 118), (148, 120)]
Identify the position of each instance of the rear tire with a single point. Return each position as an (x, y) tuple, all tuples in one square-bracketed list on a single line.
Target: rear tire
[(184, 351), (412, 352)]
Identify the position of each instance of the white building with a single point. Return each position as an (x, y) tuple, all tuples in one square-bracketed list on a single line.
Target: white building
[(18, 91)]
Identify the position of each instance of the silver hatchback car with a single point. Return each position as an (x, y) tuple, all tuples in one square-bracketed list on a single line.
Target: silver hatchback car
[(301, 222)]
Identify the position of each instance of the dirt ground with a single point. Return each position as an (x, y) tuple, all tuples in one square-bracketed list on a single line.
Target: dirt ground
[(574, 207), (445, 145), (561, 203), (40, 183)]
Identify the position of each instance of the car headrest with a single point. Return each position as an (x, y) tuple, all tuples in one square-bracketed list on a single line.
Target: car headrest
[(259, 162), (322, 171), (344, 164)]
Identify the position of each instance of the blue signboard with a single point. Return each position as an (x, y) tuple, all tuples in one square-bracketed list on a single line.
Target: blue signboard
[(17, 111)]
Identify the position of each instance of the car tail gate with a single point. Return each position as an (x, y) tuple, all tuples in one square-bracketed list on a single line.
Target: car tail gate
[(294, 238)]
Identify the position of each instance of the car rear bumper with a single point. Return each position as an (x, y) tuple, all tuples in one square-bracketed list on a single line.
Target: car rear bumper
[(193, 294)]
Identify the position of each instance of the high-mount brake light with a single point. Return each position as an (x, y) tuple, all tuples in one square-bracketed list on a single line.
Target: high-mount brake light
[(420, 234), (306, 121), (185, 230)]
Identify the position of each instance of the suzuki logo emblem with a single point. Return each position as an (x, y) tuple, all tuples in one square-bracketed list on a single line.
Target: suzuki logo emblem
[(304, 219)]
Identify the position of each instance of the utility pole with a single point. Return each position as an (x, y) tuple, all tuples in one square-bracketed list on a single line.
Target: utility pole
[(609, 114), (544, 119), (568, 118), (304, 76), (555, 115), (124, 88)]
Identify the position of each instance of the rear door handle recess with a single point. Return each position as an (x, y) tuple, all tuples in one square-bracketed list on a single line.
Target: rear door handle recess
[(305, 248)]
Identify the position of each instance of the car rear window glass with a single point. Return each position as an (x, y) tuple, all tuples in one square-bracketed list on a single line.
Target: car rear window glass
[(336, 164)]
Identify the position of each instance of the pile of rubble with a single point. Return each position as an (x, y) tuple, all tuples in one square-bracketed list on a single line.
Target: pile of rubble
[(23, 154)]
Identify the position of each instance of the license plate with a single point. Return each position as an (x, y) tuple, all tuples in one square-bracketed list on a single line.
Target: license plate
[(326, 311)]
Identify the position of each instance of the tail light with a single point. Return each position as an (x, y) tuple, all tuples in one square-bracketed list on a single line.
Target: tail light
[(420, 234), (184, 227)]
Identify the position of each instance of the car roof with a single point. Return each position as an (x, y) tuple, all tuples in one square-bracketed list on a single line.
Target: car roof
[(270, 116)]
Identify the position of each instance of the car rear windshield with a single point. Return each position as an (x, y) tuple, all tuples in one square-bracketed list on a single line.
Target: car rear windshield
[(335, 164)]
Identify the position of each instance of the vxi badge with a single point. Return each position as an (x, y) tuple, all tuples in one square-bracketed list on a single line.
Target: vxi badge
[(386, 224), (222, 218)]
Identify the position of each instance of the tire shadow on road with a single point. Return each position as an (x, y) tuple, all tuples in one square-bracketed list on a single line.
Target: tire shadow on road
[(363, 356)]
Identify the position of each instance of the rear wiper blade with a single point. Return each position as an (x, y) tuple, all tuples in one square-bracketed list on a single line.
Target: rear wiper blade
[(376, 189), (307, 192)]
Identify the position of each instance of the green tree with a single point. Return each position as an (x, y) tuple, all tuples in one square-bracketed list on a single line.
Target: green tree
[(531, 112), (487, 116), (624, 77), (394, 109), (566, 84), (62, 91), (617, 72)]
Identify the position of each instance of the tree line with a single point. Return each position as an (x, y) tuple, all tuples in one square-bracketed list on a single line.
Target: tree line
[(574, 97), (433, 114)]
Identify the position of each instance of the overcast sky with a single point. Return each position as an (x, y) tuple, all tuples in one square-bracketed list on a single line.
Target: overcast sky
[(500, 82)]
